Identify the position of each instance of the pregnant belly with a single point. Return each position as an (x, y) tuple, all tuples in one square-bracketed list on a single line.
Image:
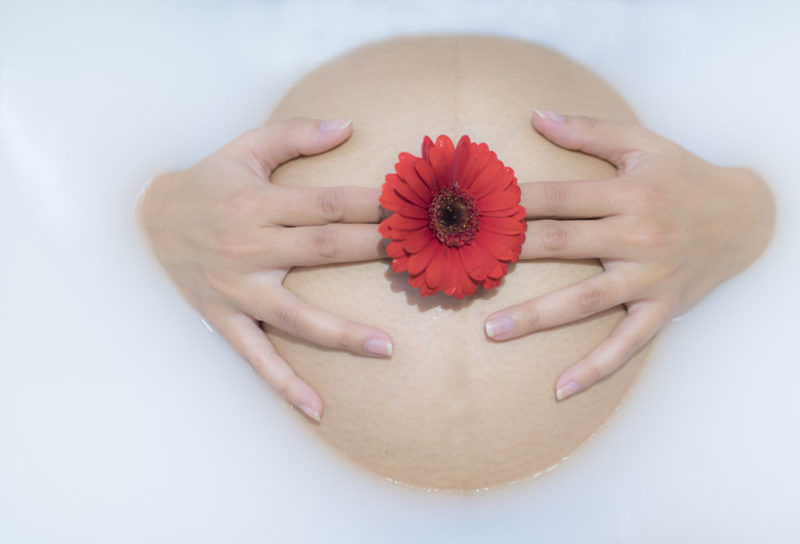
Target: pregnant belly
[(450, 408)]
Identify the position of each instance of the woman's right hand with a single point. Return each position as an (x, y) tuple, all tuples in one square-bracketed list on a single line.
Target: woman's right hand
[(228, 237)]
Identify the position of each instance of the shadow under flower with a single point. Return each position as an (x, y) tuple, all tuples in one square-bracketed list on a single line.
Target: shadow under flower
[(398, 282)]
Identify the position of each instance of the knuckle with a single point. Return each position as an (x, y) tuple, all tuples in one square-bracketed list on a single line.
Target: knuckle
[(242, 203), (594, 372), (343, 339), (589, 124), (591, 300), (656, 236), (531, 318), (288, 319), (626, 350), (283, 383), (218, 282), (555, 235), (231, 247), (325, 242), (240, 208), (331, 204), (629, 351), (644, 198), (554, 196)]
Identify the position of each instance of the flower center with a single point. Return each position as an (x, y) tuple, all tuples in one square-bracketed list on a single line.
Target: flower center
[(453, 216)]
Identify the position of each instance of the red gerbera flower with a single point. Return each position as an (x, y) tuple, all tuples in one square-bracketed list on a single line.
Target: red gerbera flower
[(457, 220)]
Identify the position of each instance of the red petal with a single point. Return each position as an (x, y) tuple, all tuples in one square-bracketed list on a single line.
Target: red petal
[(426, 291), (426, 174), (486, 180), (418, 261), (498, 201), (477, 261), (409, 210), (505, 183), (395, 250), (400, 265), (436, 270), (503, 225), (407, 192), (407, 172), (441, 157), (444, 143), (480, 159), (460, 159), (400, 222), (500, 270), (520, 214), (416, 281), (427, 144), (516, 246), (465, 284), (406, 157), (389, 199), (457, 283), (506, 212), (448, 285), (494, 244), (416, 240)]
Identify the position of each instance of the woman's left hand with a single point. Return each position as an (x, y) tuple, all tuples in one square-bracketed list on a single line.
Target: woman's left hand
[(667, 229)]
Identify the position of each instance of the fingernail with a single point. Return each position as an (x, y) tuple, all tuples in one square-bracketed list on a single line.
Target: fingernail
[(499, 325), (309, 412), (549, 116), (378, 346), (332, 125), (570, 388)]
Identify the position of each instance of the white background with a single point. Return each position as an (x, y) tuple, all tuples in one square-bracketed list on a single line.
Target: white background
[(122, 419)]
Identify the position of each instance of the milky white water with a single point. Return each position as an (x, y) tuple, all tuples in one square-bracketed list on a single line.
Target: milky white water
[(123, 419)]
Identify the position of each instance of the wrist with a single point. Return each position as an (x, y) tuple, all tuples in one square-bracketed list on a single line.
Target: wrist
[(149, 203), (756, 213)]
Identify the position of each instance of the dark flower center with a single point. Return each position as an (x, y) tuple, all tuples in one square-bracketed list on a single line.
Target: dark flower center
[(453, 216)]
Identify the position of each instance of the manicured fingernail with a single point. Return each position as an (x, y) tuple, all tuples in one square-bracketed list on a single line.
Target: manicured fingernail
[(570, 388), (378, 346), (549, 116), (331, 125), (499, 326), (309, 412)]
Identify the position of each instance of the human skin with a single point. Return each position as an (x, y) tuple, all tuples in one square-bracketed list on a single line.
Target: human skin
[(453, 408)]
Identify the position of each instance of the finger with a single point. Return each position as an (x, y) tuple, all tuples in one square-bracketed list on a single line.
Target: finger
[(243, 333), (609, 140), (643, 321), (327, 244), (558, 307), (571, 199), (295, 206), (592, 239), (277, 142), (285, 311)]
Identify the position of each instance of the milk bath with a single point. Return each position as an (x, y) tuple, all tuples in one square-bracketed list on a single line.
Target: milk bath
[(123, 418)]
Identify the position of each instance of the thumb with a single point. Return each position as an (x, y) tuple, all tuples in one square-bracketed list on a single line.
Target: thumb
[(275, 143), (609, 140)]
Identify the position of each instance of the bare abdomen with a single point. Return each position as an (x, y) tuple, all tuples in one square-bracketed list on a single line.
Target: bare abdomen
[(450, 409)]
